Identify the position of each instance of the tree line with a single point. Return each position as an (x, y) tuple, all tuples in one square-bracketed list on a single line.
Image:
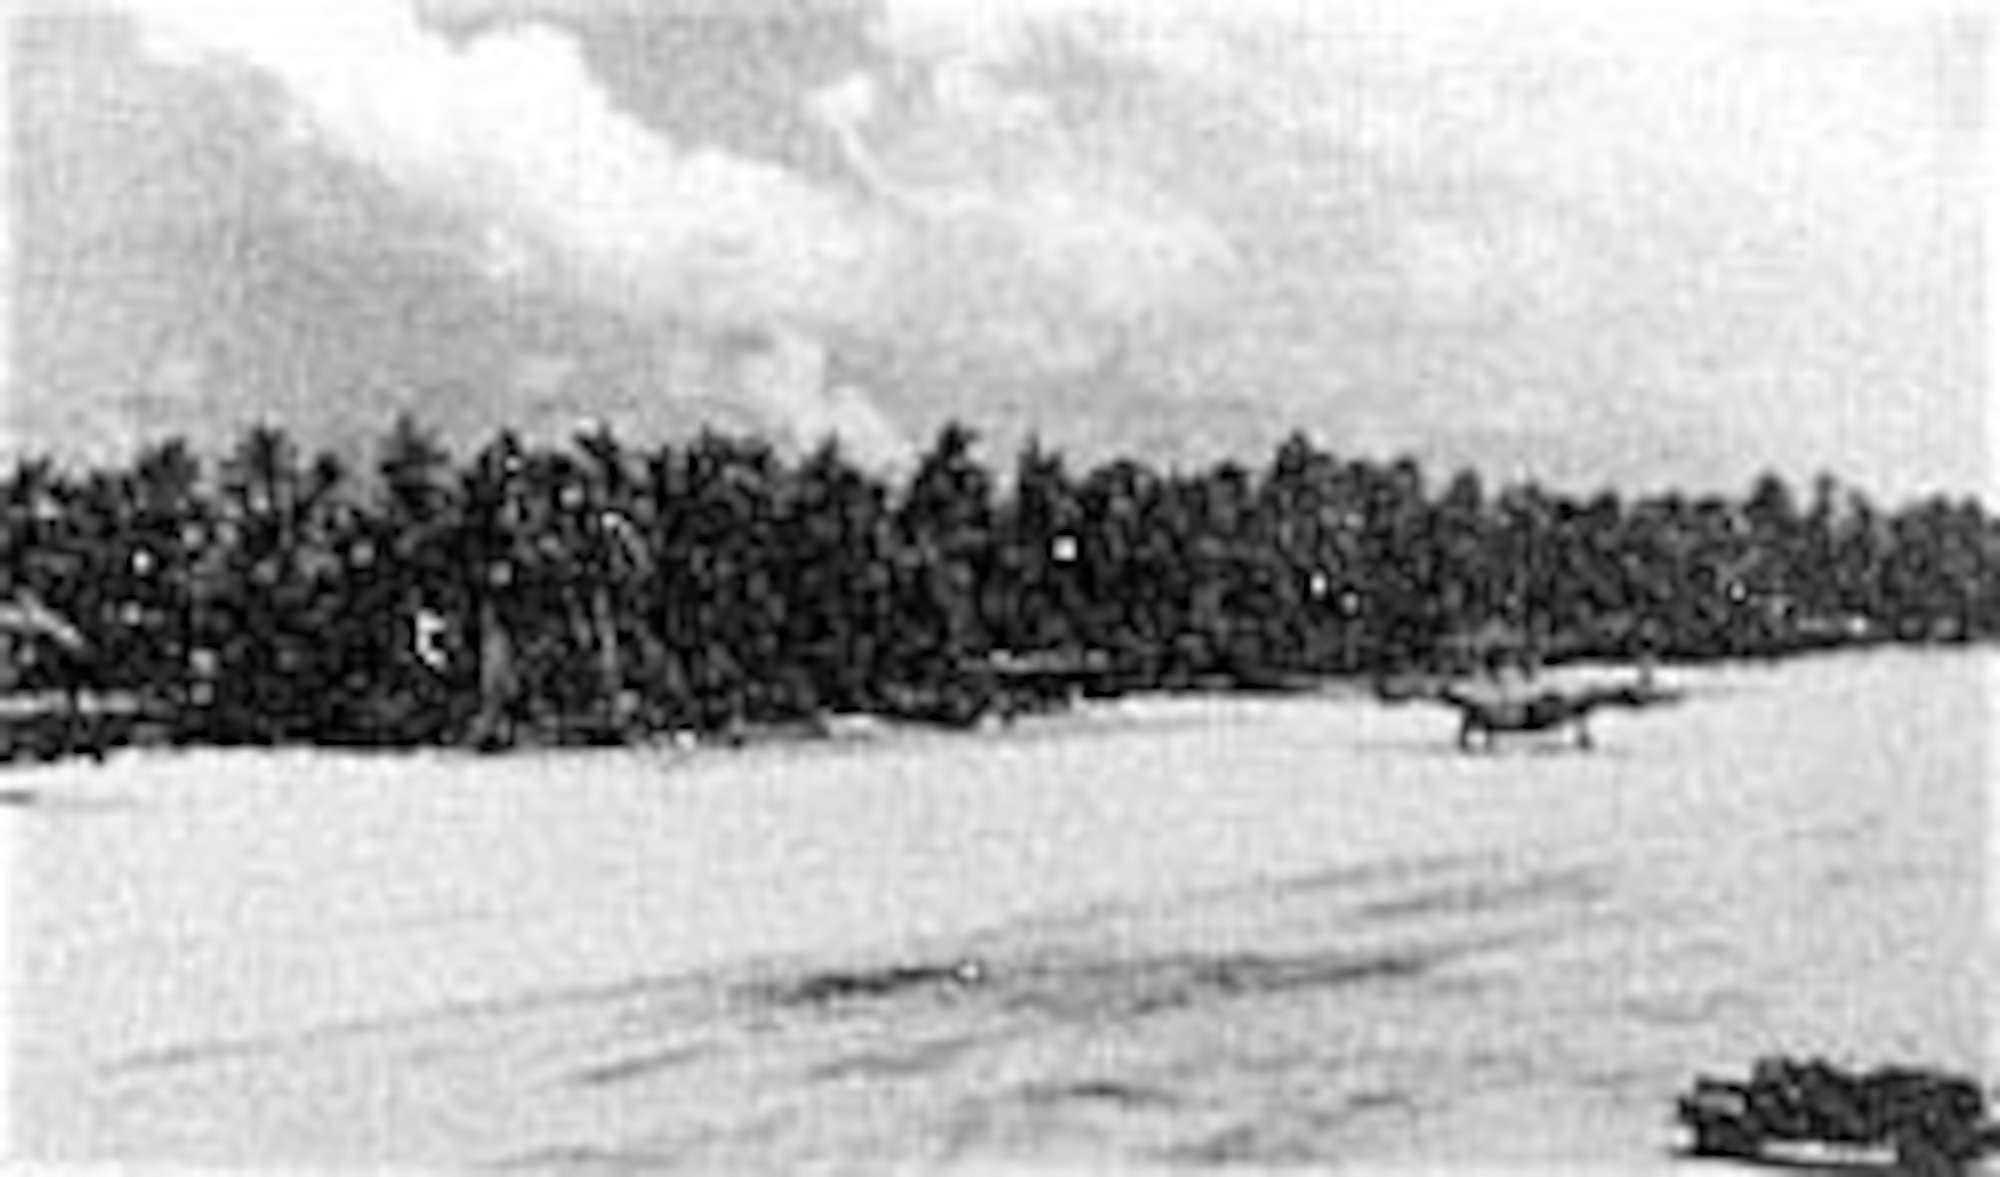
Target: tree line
[(716, 582)]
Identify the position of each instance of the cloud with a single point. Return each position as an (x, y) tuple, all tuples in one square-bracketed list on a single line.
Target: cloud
[(1023, 244), (1439, 212), (511, 127), (455, 12), (1334, 214), (1493, 274), (786, 373), (510, 131), (1015, 249)]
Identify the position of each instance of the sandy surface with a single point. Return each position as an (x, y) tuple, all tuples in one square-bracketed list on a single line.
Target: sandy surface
[(1201, 931)]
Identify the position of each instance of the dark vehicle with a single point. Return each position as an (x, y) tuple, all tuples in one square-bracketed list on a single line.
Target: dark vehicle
[(1929, 1122)]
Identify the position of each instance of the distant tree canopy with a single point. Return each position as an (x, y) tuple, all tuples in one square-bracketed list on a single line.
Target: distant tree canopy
[(716, 581)]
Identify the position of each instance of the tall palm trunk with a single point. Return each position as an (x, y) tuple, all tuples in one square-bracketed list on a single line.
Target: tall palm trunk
[(609, 675), (498, 682)]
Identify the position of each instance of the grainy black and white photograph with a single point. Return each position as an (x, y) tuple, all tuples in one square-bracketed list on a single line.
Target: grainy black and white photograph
[(623, 587)]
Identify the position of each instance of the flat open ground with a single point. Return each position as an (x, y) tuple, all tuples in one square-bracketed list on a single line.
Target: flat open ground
[(1168, 931)]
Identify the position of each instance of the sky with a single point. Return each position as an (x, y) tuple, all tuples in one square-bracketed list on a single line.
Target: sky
[(1631, 248)]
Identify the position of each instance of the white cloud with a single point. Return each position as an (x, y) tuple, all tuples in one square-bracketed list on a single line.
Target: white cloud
[(1018, 235), (1493, 273), (513, 128), (786, 374), (512, 131), (1337, 193), (1613, 196)]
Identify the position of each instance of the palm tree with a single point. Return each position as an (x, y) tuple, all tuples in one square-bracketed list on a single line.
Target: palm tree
[(172, 521), (1033, 597), (614, 558), (279, 617), (944, 523), (488, 542), (1131, 569), (723, 592), (829, 553), (35, 513), (419, 518)]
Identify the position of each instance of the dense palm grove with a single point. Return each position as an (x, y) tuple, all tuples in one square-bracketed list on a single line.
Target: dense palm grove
[(716, 583)]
